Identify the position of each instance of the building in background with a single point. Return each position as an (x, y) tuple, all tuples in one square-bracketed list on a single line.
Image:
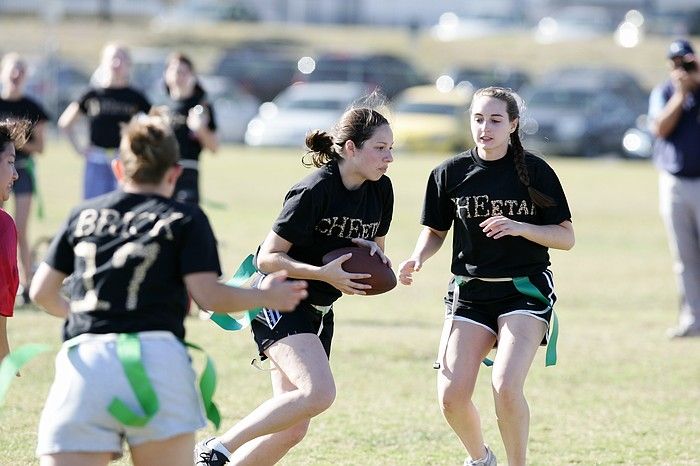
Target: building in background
[(400, 13)]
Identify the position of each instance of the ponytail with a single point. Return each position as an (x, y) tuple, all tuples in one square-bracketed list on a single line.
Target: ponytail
[(357, 124), (321, 149)]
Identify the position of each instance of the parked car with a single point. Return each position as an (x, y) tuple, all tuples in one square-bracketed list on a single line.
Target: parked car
[(262, 67), (234, 107), (478, 77), (390, 73), (299, 109), (578, 121), (638, 142), (615, 80), (426, 119)]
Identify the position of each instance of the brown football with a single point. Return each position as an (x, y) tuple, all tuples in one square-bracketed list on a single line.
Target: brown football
[(382, 279)]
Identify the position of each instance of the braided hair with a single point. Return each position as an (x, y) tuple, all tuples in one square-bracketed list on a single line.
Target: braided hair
[(357, 124), (511, 100)]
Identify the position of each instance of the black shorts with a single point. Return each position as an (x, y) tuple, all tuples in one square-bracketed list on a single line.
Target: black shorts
[(25, 182), (483, 302), (187, 187), (270, 326)]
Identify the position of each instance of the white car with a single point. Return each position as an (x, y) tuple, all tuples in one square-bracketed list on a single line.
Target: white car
[(301, 108), (234, 107)]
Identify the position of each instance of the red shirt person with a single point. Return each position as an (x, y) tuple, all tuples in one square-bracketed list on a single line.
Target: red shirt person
[(12, 135)]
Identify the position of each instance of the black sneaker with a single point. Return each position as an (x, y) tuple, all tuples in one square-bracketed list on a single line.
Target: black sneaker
[(204, 455), (22, 298)]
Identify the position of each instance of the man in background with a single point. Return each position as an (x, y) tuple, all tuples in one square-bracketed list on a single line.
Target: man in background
[(674, 115)]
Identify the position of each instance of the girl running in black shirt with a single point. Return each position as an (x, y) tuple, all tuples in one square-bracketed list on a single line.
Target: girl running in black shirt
[(507, 207), (347, 200), (134, 254)]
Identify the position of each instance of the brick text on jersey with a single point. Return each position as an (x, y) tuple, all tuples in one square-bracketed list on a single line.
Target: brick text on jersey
[(346, 227), (109, 222)]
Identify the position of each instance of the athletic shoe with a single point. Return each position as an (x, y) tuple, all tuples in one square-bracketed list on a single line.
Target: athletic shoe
[(682, 332), (22, 298), (204, 455), (488, 460)]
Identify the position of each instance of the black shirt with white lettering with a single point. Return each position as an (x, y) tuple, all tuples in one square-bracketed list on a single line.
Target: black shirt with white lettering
[(320, 214), (190, 147), (106, 108), (25, 108), (127, 255), (467, 190)]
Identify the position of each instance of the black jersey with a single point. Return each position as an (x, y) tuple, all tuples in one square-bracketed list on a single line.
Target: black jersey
[(467, 190), (190, 147), (106, 108), (25, 108), (320, 214), (127, 254)]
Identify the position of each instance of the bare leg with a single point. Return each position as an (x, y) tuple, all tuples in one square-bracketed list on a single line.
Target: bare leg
[(271, 448), (519, 338), (23, 204), (76, 459), (4, 343), (302, 361), (174, 451), (467, 346)]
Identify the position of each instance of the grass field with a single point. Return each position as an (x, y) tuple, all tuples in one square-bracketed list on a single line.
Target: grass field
[(620, 394)]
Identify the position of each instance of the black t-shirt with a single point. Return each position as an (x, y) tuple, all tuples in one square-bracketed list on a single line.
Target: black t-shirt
[(190, 147), (468, 190), (106, 108), (128, 254), (320, 214), (25, 108)]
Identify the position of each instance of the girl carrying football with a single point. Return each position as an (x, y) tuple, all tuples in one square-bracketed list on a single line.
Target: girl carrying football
[(508, 208), (347, 200)]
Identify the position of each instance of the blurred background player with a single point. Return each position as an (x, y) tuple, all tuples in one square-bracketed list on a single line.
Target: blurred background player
[(12, 135), (674, 115), (108, 103), (193, 122), (14, 104), (347, 200), (507, 207), (135, 254)]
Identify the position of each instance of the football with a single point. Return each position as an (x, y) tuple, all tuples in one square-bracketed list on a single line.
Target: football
[(382, 279)]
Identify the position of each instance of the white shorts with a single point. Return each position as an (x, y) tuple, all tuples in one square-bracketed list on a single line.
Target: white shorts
[(89, 375)]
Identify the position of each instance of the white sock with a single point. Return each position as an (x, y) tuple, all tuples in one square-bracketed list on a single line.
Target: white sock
[(218, 446)]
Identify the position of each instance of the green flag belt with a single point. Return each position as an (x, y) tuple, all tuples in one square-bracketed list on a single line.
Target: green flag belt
[(524, 286), (129, 354), (245, 271)]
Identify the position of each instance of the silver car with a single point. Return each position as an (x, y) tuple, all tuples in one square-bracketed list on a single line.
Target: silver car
[(301, 108)]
